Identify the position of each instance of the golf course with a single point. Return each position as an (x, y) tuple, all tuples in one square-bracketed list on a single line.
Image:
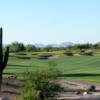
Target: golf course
[(79, 67)]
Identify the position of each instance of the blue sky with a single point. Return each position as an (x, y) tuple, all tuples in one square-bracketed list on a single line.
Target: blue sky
[(50, 21)]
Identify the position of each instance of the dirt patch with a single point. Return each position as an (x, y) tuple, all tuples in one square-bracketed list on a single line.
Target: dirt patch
[(11, 88), (70, 89)]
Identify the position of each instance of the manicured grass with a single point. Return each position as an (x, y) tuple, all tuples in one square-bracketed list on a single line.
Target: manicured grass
[(85, 68)]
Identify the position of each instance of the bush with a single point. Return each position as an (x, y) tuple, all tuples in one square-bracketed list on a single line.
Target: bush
[(88, 52), (92, 88), (34, 54), (38, 81), (21, 53), (44, 56), (16, 47), (69, 53), (23, 57)]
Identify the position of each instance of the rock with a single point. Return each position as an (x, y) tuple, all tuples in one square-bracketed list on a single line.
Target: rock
[(4, 98), (85, 93)]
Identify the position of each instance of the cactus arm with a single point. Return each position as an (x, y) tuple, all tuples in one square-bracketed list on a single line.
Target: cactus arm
[(5, 58), (1, 55)]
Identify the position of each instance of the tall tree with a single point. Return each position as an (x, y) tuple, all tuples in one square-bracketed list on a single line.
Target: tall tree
[(16, 47)]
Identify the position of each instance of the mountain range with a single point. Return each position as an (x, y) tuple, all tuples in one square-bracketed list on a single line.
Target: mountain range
[(40, 45), (64, 44)]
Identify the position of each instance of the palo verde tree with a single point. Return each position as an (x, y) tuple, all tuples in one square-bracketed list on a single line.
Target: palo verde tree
[(3, 57)]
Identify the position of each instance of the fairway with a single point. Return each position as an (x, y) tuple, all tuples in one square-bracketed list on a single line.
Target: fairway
[(85, 68)]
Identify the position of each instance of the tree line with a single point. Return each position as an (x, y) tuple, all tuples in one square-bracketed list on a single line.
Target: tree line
[(17, 47)]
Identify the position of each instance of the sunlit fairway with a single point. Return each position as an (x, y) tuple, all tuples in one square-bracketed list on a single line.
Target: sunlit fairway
[(85, 68)]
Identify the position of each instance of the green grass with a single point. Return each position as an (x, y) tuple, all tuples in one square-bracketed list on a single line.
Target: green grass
[(86, 68)]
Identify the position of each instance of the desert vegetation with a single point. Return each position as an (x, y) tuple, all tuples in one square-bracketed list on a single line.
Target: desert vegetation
[(38, 73), (34, 68), (39, 85)]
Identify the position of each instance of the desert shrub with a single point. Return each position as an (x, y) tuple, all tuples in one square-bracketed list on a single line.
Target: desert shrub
[(38, 81), (34, 54), (16, 47), (92, 88), (21, 53), (69, 53), (88, 52), (82, 50), (23, 57), (30, 48), (44, 56)]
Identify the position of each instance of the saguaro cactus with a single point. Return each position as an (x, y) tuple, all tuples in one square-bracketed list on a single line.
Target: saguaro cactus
[(3, 57)]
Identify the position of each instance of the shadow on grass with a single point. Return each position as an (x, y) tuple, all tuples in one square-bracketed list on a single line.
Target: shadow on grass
[(12, 68), (20, 57), (80, 75), (18, 65), (7, 73)]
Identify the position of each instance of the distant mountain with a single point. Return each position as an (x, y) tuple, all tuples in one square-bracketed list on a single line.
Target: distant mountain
[(64, 44), (53, 45), (39, 45)]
